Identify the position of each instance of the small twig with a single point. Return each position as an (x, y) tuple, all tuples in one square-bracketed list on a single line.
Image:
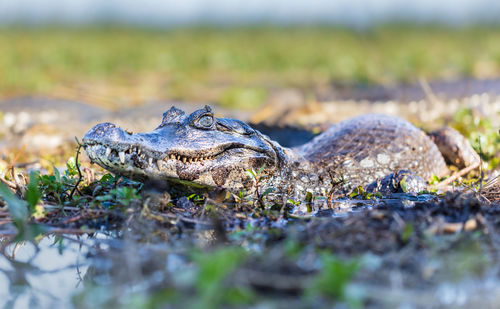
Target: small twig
[(334, 183), (10, 184), (259, 198), (453, 227), (196, 222), (329, 200), (481, 169), (466, 170), (456, 175), (2, 222), (24, 164), (491, 189), (80, 176), (57, 207), (12, 163), (427, 90), (4, 233), (70, 231)]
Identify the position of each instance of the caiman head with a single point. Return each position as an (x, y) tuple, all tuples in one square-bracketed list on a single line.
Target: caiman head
[(197, 149)]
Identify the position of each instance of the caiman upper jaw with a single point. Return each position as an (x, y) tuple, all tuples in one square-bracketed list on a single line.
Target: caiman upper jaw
[(112, 141), (117, 141), (181, 149)]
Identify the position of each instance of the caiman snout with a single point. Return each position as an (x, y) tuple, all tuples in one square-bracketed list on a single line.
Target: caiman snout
[(197, 148), (104, 132)]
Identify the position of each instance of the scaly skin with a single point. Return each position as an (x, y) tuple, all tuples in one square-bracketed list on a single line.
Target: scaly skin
[(201, 150)]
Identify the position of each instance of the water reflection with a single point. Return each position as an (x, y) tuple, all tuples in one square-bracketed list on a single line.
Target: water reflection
[(65, 271), (45, 276)]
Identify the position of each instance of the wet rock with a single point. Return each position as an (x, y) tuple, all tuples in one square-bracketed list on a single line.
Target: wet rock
[(403, 181), (184, 203)]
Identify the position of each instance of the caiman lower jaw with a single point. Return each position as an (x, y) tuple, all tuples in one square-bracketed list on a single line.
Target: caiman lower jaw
[(135, 162), (99, 152)]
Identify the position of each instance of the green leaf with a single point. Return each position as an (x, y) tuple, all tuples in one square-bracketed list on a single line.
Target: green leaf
[(28, 232), (104, 198), (33, 194), (357, 191), (268, 190), (106, 178), (309, 197), (403, 185), (293, 202), (58, 241), (241, 194), (71, 166), (309, 204), (251, 173), (17, 208), (124, 195), (261, 169), (407, 232), (57, 174)]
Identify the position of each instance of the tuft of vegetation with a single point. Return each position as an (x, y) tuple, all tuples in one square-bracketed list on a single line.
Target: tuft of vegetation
[(122, 195), (482, 134), (257, 176)]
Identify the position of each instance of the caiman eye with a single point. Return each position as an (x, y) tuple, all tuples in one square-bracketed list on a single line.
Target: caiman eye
[(205, 121)]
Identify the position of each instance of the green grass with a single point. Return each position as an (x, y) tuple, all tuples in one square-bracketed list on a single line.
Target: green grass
[(233, 65)]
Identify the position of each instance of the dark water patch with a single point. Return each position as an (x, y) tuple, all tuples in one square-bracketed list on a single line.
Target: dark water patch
[(287, 136)]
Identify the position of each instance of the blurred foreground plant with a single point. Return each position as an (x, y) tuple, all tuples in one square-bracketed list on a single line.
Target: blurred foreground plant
[(21, 211), (332, 280)]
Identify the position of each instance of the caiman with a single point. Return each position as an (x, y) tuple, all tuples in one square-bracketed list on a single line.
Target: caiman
[(202, 150)]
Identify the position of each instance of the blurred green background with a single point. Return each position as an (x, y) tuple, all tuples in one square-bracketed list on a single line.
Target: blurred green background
[(236, 67)]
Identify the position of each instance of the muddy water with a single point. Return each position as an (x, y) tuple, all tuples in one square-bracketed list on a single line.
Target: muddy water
[(96, 272)]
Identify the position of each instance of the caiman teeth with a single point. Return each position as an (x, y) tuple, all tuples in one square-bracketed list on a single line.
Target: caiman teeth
[(121, 154), (139, 154), (187, 159)]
